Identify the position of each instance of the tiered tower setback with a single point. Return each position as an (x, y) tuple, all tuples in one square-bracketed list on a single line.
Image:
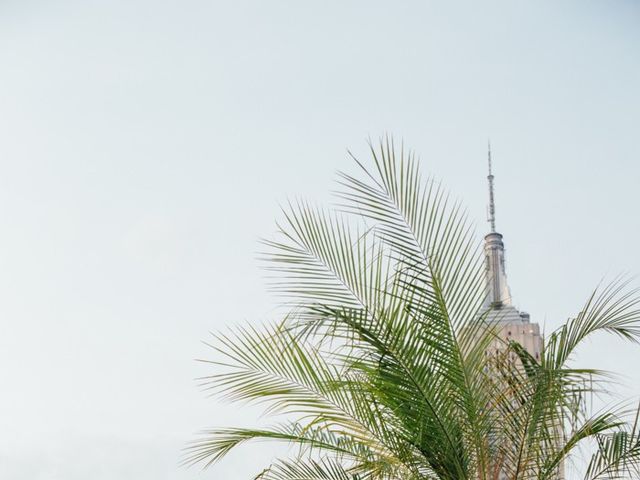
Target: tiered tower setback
[(513, 324)]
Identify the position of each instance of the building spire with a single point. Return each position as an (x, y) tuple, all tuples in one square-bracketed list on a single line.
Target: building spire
[(498, 297), (499, 294), (492, 205)]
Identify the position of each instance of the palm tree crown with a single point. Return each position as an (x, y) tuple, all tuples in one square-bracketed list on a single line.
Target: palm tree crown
[(380, 369)]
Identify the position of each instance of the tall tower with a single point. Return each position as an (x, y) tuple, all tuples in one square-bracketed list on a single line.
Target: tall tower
[(514, 324), (498, 290)]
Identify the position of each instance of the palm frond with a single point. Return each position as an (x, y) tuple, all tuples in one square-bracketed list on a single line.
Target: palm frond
[(383, 360), (323, 469), (612, 309), (618, 454)]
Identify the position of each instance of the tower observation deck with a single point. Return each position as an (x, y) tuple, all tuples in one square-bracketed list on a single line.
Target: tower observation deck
[(513, 324)]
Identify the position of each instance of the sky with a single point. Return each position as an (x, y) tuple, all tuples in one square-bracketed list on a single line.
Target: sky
[(145, 147)]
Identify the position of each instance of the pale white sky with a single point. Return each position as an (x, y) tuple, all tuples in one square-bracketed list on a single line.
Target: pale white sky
[(145, 145)]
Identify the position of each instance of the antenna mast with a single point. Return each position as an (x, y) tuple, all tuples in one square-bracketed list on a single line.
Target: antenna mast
[(492, 205)]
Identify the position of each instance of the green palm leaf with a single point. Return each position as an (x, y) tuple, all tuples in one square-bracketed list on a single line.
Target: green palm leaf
[(381, 367)]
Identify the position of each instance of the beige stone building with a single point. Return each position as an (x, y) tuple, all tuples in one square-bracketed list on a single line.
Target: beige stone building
[(512, 324)]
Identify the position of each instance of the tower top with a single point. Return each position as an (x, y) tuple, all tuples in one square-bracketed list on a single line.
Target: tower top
[(492, 205), (498, 297), (499, 294)]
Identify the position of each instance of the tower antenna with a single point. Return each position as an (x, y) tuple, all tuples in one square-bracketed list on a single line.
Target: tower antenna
[(492, 205)]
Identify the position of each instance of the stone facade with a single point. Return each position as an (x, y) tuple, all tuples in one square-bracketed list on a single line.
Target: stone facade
[(511, 324)]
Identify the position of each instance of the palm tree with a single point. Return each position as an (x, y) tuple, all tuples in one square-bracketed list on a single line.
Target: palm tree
[(380, 371)]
